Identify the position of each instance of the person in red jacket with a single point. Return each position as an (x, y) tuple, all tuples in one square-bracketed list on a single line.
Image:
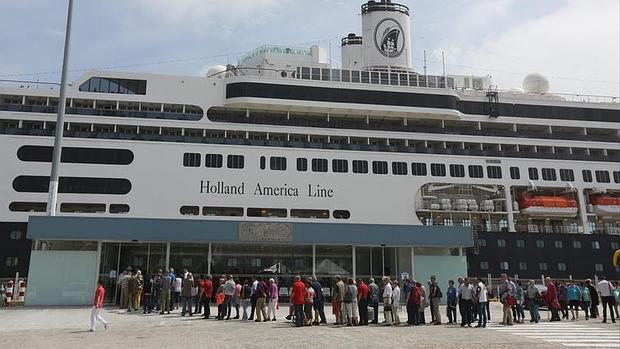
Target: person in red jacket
[(95, 314), (297, 298), (551, 297)]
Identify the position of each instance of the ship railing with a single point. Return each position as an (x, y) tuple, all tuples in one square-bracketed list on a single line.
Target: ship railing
[(561, 97)]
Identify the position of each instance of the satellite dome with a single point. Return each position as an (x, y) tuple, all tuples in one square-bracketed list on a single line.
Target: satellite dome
[(215, 70), (535, 83)]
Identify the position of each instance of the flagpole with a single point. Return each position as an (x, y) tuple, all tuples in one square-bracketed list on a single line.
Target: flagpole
[(53, 185)]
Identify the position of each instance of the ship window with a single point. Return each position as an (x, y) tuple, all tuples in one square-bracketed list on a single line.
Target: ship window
[(360, 166), (191, 160), (235, 161), (484, 265), (520, 243), (82, 208), (533, 173), (598, 267), (567, 175), (482, 242), (616, 176), (320, 214), (262, 162), (576, 244), (340, 166), (119, 208), (342, 214), (213, 160), (596, 245), (438, 170), (109, 85), (587, 176), (501, 243), (28, 207), (457, 170), (399, 168), (222, 211), (475, 171), (494, 172), (615, 245), (76, 155), (558, 244), (379, 167), (189, 210), (266, 212), (503, 266), (542, 266), (522, 266), (316, 73), (15, 235), (540, 243), (515, 173), (319, 165), (277, 163), (561, 266), (302, 164), (305, 73), (73, 185), (548, 174), (12, 261), (602, 176), (418, 169)]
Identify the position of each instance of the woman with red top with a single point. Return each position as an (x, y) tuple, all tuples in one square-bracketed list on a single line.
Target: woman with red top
[(95, 314)]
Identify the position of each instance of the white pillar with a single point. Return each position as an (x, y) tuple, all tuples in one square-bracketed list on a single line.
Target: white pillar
[(354, 272), (511, 215), (98, 267), (167, 255), (583, 214), (314, 260), (412, 277), (209, 260)]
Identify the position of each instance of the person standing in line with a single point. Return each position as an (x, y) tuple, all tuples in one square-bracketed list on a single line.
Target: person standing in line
[(319, 302), (337, 300), (347, 304), (236, 300), (157, 283), (585, 299), (520, 300), (594, 300), (413, 305), (481, 294), (435, 296), (551, 297), (262, 291), (229, 291), (605, 289), (95, 313), (505, 297), (458, 295), (451, 302), (122, 281), (616, 293), (206, 292), (219, 299), (308, 303), (132, 290), (297, 299), (395, 302), (175, 291), (574, 298), (196, 291), (362, 301), (246, 293), (273, 300), (148, 291), (466, 296), (387, 300), (138, 297), (424, 303), (253, 297), (186, 294), (373, 294), (166, 285), (534, 298), (563, 298)]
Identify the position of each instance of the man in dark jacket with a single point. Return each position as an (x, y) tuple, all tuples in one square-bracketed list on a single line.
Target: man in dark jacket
[(147, 290), (593, 299), (319, 300)]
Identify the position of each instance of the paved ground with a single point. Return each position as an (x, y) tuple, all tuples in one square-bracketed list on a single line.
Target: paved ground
[(68, 328)]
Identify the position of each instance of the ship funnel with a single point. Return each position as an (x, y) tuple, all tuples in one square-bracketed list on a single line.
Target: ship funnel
[(386, 35)]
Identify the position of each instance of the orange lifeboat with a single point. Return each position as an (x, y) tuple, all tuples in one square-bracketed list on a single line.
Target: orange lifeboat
[(547, 205), (605, 205)]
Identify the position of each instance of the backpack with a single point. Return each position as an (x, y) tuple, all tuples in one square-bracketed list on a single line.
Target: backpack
[(348, 295), (438, 292), (414, 296)]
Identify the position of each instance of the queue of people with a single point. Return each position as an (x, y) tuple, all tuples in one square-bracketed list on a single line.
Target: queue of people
[(356, 303)]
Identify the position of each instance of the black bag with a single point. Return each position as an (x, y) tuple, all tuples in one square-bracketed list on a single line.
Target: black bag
[(438, 292)]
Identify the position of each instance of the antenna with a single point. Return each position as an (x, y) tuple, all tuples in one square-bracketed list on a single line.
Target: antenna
[(424, 62)]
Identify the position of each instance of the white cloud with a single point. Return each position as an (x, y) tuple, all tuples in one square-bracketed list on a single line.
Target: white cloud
[(578, 41)]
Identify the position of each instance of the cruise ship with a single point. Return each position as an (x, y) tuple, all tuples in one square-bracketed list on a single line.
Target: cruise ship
[(282, 164)]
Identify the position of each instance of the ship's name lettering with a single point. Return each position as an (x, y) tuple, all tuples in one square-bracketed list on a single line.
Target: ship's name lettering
[(284, 190)]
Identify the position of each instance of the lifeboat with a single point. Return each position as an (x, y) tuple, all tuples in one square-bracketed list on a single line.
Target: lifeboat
[(605, 205), (548, 206)]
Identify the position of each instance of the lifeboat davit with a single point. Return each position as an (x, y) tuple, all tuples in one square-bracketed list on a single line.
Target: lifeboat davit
[(605, 205), (548, 206)]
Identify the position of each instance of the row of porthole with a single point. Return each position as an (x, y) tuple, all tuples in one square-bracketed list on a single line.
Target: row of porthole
[(69, 207), (263, 212)]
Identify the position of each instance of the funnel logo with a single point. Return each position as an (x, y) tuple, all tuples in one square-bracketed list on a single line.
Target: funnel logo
[(389, 38)]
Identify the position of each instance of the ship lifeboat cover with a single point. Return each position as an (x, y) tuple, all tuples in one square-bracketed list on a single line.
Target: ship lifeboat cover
[(605, 205), (548, 205)]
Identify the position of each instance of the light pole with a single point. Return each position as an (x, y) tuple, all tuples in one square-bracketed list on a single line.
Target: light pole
[(53, 187)]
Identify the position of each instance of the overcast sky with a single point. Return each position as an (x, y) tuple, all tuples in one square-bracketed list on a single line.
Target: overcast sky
[(575, 43)]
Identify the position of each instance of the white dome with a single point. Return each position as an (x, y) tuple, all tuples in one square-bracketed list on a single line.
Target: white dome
[(535, 83), (215, 70)]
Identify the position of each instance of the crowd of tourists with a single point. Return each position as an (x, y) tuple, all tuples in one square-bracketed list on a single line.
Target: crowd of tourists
[(355, 302)]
